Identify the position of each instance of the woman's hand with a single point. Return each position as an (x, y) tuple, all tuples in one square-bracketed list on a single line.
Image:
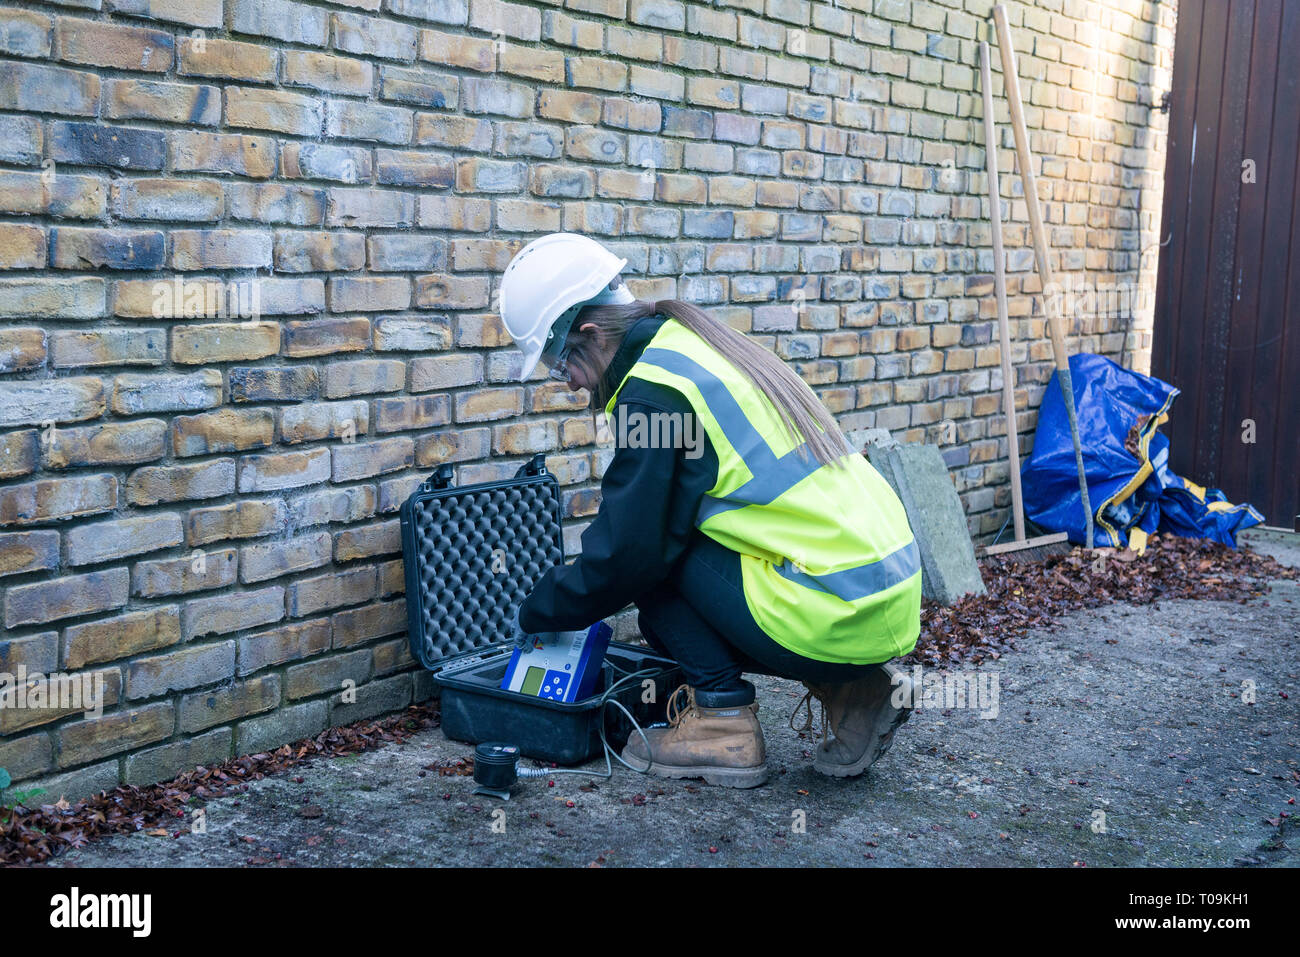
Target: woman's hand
[(521, 638)]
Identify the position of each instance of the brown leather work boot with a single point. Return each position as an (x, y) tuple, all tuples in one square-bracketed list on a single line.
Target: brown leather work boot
[(715, 737), (862, 717)]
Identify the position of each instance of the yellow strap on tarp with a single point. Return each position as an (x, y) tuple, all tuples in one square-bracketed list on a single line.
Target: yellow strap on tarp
[(1145, 468)]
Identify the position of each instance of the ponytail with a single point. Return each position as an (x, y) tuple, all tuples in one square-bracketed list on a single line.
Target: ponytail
[(801, 412)]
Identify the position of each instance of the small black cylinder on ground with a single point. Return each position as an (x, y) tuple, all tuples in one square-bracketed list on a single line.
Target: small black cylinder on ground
[(494, 765)]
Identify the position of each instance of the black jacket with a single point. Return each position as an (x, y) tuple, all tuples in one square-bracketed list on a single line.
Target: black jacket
[(649, 497)]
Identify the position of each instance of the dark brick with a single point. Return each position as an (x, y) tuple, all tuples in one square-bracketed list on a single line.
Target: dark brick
[(228, 703), (89, 144), (274, 384), (373, 698), (106, 249)]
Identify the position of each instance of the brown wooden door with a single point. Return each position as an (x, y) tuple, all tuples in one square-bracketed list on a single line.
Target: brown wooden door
[(1228, 289)]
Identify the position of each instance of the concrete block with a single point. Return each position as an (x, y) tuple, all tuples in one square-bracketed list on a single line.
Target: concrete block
[(919, 476)]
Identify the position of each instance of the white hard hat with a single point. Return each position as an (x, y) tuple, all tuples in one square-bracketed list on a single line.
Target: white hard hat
[(548, 282)]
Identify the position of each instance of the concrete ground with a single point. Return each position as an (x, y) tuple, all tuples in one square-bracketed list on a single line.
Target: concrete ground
[(1122, 737)]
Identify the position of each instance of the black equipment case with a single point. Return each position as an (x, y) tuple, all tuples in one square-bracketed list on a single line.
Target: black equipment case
[(471, 554)]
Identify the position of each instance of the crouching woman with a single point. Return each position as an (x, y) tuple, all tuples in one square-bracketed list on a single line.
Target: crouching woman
[(749, 535)]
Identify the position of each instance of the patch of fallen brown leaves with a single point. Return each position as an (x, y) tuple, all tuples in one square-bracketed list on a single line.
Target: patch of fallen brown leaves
[(453, 767), (1034, 594), (32, 835)]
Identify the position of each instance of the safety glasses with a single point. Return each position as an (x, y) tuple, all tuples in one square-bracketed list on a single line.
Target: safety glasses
[(558, 367), (555, 354)]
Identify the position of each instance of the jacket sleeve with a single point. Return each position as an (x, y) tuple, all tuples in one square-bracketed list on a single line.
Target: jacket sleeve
[(649, 497)]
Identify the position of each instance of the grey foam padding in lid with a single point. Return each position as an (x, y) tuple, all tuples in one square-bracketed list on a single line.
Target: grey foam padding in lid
[(478, 553)]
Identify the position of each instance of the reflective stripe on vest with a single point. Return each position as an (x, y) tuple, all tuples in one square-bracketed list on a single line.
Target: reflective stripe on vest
[(852, 584), (772, 475)]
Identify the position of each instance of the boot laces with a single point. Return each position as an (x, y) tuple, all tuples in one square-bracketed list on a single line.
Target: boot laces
[(675, 711), (807, 727)]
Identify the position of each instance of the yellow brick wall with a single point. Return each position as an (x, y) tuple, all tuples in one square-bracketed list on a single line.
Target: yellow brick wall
[(198, 503)]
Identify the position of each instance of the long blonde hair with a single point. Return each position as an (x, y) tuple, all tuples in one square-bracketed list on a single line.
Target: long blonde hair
[(800, 411)]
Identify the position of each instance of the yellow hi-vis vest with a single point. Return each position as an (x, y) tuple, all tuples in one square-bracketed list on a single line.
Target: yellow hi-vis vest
[(830, 567)]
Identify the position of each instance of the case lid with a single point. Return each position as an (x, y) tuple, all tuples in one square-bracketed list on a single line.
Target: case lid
[(472, 554)]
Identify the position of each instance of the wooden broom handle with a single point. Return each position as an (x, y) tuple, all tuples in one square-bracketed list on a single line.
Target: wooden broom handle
[(1052, 308), (1000, 291), (1011, 80)]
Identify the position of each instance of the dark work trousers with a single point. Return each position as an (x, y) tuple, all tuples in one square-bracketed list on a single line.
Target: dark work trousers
[(698, 617)]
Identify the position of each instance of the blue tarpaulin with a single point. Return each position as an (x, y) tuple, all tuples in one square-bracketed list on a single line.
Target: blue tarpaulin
[(1126, 461)]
